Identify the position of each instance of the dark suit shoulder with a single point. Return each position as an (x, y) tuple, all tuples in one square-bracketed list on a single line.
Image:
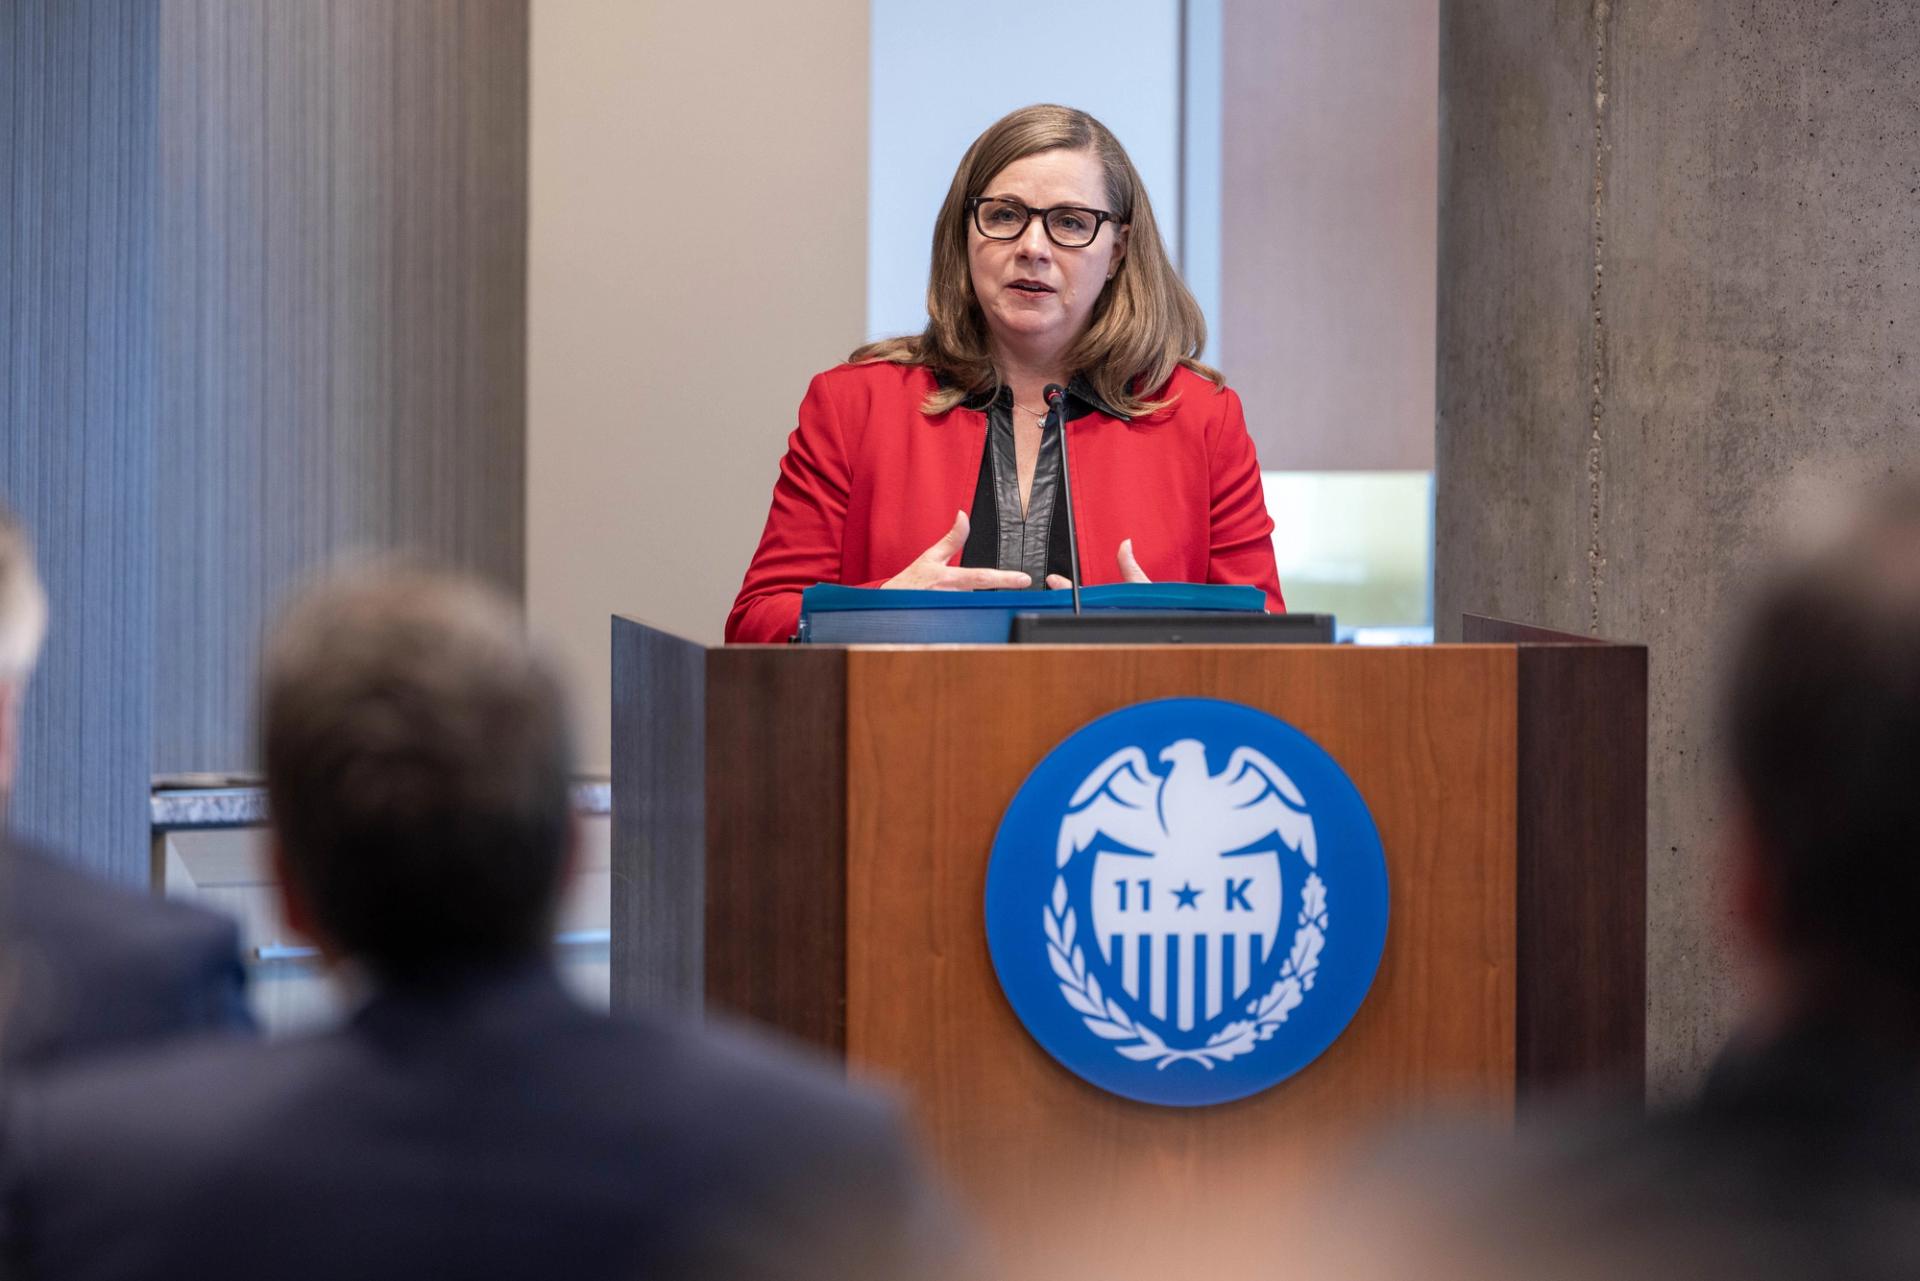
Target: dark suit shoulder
[(766, 1085), (48, 896), (538, 1137), (103, 967), (830, 1164)]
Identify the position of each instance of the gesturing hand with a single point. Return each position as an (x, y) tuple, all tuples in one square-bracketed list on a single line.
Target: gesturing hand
[(1130, 571), (931, 571)]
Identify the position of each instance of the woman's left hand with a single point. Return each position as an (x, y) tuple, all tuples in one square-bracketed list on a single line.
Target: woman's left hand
[(1130, 571)]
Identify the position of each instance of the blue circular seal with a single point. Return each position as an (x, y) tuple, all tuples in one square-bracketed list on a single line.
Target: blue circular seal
[(1186, 902)]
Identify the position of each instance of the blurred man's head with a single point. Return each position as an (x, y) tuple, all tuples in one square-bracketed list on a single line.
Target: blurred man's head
[(416, 751), (1824, 720), (23, 625)]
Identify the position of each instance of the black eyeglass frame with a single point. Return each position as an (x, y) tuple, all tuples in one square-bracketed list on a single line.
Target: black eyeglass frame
[(1100, 218)]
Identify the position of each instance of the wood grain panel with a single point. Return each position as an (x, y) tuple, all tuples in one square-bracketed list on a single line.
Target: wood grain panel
[(936, 751), (343, 191), (1582, 838), (777, 774), (77, 162), (1583, 859), (659, 817)]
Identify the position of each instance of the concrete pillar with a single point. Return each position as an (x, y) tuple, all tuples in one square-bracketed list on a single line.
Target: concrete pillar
[(1679, 284)]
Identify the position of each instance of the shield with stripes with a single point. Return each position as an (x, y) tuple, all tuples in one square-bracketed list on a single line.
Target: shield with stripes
[(1185, 883)]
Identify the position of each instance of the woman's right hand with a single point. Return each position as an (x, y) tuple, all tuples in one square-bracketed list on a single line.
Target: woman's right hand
[(930, 571)]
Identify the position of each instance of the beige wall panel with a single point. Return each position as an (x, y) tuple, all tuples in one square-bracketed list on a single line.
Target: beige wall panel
[(698, 250), (1329, 123)]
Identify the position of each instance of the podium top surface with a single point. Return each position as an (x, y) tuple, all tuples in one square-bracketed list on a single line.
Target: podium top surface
[(1477, 631)]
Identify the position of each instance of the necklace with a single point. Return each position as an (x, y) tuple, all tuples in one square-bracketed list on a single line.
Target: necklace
[(1039, 415)]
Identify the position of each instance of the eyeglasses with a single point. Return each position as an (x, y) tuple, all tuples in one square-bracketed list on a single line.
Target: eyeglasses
[(1069, 226)]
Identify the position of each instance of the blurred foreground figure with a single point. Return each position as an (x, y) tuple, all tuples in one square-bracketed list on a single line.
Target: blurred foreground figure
[(89, 967), (472, 1121), (1801, 1156)]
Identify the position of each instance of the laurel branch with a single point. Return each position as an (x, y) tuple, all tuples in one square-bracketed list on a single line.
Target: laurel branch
[(1106, 1019)]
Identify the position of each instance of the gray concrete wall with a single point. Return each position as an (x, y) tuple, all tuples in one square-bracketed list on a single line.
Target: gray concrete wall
[(1679, 279)]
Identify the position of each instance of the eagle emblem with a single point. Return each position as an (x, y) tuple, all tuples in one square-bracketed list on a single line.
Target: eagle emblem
[(1186, 889), (1179, 858)]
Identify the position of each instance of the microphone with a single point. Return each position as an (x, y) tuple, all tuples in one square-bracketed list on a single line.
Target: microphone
[(1057, 410)]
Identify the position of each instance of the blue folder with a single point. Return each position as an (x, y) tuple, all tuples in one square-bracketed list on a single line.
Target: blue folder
[(835, 615)]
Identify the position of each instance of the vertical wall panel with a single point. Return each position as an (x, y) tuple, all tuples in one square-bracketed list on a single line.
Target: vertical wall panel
[(262, 286), (1329, 120), (77, 83), (668, 353), (343, 214)]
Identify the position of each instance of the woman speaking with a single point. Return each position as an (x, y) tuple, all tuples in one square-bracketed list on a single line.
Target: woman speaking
[(927, 461)]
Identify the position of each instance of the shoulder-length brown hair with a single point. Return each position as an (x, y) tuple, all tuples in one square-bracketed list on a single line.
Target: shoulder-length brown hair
[(1144, 324)]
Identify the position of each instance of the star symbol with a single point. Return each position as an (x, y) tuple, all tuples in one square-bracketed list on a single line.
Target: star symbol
[(1186, 894)]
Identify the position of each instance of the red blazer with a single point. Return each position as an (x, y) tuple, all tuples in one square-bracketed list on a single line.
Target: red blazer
[(869, 483)]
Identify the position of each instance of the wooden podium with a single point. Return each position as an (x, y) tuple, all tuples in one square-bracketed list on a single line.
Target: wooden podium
[(800, 835)]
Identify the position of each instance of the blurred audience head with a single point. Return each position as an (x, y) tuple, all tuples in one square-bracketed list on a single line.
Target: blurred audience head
[(416, 751), (23, 625), (1823, 720)]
